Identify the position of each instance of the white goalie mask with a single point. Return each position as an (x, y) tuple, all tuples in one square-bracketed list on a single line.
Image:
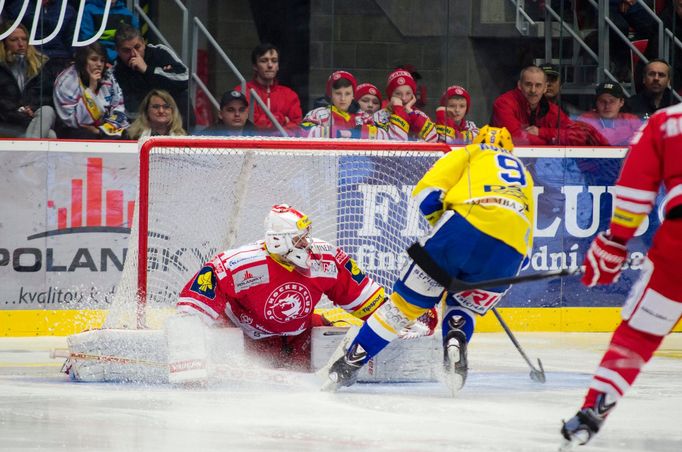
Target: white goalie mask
[(287, 234)]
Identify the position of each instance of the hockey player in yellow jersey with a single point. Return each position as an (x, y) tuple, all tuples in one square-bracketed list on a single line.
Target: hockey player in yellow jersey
[(479, 202)]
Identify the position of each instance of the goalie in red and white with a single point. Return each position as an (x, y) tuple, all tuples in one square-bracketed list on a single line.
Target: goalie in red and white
[(269, 289)]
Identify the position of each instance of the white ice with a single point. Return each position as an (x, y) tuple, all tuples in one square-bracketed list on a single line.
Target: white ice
[(499, 409)]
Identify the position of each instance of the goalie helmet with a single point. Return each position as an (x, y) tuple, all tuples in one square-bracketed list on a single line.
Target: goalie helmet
[(495, 136), (287, 234)]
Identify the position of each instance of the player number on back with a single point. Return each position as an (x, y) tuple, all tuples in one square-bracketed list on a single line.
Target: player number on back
[(511, 170)]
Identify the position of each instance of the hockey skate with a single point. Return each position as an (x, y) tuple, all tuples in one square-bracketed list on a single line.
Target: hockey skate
[(578, 430), (344, 371), (455, 364)]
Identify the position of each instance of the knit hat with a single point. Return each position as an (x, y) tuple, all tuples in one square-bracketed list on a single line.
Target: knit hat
[(455, 90), (367, 88), (398, 78), (339, 75), (611, 88)]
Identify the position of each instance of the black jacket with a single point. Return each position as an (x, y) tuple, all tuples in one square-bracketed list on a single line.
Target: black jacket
[(175, 80), (643, 106)]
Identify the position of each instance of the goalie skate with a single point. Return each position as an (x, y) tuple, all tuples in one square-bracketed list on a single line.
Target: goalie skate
[(455, 364)]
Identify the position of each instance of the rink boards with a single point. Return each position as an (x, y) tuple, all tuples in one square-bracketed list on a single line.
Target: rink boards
[(66, 208)]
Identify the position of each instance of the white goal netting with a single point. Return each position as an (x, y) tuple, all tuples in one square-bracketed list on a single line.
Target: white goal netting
[(199, 196)]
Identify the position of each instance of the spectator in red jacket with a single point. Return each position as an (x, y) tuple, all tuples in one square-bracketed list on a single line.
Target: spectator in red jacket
[(615, 126), (282, 101), (532, 119)]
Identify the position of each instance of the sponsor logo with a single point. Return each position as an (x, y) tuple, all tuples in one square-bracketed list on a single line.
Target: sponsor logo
[(35, 34), (323, 268), (288, 302), (250, 277), (356, 273), (204, 284)]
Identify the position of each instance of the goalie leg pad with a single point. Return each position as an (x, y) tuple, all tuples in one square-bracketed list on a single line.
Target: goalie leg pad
[(187, 351)]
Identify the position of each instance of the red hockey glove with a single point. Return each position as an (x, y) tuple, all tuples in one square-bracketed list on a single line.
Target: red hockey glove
[(603, 261)]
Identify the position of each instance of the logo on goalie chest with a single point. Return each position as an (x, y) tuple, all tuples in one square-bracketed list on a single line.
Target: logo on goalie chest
[(290, 301), (250, 277)]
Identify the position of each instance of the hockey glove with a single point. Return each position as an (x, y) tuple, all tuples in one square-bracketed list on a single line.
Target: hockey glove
[(423, 325), (431, 205), (603, 261)]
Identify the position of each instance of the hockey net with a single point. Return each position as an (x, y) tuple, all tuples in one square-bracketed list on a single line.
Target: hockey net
[(200, 196)]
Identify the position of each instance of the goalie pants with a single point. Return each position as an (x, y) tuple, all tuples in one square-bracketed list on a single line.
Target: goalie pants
[(288, 352), (651, 311)]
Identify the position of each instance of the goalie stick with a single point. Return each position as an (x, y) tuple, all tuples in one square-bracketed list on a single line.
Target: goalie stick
[(426, 262)]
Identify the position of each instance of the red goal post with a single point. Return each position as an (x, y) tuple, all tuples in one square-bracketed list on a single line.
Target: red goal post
[(199, 196)]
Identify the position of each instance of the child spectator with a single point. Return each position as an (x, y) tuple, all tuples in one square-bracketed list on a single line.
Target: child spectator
[(451, 123), (87, 98), (368, 97), (24, 111), (338, 120), (607, 118), (400, 119), (158, 115)]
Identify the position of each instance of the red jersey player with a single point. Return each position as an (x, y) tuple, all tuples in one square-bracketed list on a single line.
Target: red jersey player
[(269, 289), (655, 302)]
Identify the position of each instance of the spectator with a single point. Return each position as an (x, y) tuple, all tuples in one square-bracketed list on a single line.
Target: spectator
[(158, 116), (87, 98), (400, 119), (607, 118), (281, 100), (23, 111), (532, 119), (119, 15), (451, 123), (140, 67), (368, 98), (656, 93), (420, 90), (671, 16), (340, 119), (553, 93), (59, 47), (233, 115)]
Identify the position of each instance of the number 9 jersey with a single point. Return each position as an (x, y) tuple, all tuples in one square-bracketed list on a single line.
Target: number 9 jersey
[(489, 187)]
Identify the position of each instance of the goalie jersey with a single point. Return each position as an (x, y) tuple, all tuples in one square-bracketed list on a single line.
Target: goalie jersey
[(490, 188), (249, 288)]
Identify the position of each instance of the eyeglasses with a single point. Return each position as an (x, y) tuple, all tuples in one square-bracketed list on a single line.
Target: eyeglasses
[(160, 106)]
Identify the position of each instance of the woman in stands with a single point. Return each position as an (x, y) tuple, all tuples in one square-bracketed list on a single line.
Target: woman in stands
[(23, 111), (158, 115), (87, 98)]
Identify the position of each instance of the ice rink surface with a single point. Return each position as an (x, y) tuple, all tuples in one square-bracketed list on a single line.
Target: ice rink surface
[(499, 409)]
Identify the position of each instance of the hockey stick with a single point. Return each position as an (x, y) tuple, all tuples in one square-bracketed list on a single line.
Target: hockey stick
[(535, 374), (426, 263)]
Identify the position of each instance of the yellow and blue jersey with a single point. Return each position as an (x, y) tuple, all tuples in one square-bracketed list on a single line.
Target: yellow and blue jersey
[(490, 188)]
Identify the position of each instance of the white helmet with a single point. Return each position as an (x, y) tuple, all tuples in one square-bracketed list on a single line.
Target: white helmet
[(287, 234)]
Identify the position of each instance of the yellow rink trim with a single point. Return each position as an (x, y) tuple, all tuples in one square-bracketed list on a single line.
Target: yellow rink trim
[(64, 322)]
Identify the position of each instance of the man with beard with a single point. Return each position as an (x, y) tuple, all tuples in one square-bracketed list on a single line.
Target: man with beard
[(657, 93)]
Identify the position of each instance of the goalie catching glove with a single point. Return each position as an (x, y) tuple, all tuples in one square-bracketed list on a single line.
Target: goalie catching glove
[(604, 260), (423, 325)]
